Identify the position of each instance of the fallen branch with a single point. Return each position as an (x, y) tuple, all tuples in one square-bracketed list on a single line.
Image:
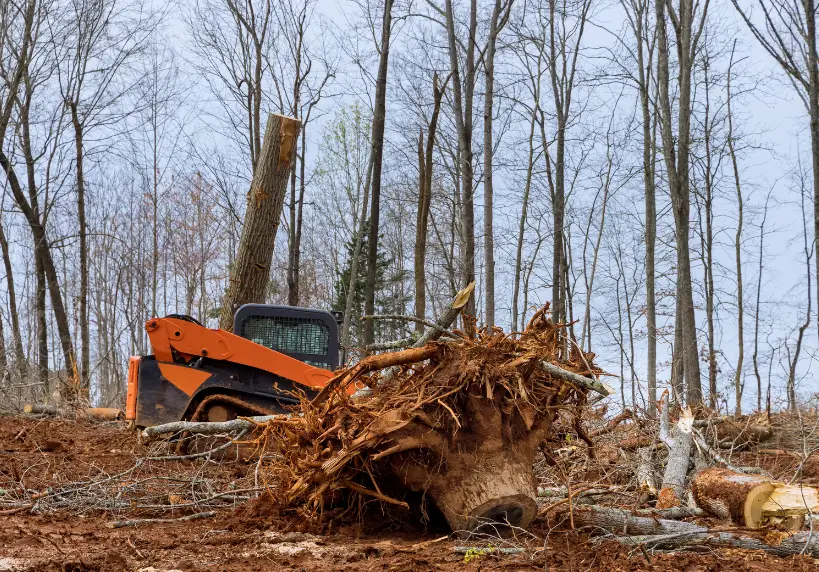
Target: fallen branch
[(137, 522), (574, 378), (207, 427), (207, 453), (799, 543), (98, 413), (613, 424), (620, 521), (478, 550), (447, 318)]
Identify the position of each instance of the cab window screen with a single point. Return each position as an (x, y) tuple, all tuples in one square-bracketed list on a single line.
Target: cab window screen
[(303, 336)]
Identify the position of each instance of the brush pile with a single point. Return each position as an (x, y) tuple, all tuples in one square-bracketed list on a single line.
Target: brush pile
[(458, 420)]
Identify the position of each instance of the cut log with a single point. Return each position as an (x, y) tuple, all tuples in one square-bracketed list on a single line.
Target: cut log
[(105, 413), (753, 501), (251, 272), (99, 413), (46, 409)]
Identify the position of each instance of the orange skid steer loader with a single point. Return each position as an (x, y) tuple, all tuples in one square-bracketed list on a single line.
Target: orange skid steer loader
[(202, 374)]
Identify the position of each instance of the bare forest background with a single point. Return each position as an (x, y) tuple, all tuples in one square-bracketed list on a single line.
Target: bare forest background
[(649, 168)]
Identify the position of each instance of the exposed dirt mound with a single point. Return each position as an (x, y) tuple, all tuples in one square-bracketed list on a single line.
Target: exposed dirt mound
[(249, 538)]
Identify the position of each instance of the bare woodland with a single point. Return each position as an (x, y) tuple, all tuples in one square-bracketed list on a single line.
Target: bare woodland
[(624, 162)]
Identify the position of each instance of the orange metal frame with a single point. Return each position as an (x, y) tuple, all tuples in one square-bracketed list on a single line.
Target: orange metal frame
[(191, 340)]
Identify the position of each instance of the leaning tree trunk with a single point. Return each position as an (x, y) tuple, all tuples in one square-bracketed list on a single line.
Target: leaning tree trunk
[(250, 275)]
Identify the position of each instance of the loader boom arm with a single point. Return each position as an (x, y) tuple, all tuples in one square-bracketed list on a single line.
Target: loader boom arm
[(190, 341)]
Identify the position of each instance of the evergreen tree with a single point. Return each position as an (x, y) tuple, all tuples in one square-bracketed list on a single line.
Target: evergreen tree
[(388, 296)]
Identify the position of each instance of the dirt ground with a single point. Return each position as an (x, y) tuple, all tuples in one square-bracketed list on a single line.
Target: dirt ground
[(57, 460)]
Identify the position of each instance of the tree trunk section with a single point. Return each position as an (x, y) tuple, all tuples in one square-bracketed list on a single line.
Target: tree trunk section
[(752, 501), (251, 272)]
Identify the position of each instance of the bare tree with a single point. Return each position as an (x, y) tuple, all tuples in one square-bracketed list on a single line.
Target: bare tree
[(788, 33), (500, 15), (425, 164), (688, 27), (463, 91), (24, 18), (379, 117), (738, 385)]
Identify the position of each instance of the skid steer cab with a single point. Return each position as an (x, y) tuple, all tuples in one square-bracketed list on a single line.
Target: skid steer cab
[(275, 354)]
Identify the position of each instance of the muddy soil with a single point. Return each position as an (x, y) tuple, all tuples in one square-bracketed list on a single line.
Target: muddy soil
[(38, 454)]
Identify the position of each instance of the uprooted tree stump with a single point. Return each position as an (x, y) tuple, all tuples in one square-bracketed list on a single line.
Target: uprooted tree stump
[(460, 421)]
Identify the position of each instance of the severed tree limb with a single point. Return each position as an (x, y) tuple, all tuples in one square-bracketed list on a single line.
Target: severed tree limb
[(621, 521), (207, 453), (448, 317), (799, 543), (574, 378), (207, 427), (137, 522)]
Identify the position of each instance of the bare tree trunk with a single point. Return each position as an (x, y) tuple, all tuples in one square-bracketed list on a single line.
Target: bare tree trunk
[(522, 224), (17, 338), (488, 151), (756, 309), (708, 242), (425, 155), (293, 294), (737, 246), (85, 337), (462, 96), (644, 66), (42, 321), (793, 361), (677, 163), (379, 117), (251, 273), (356, 256)]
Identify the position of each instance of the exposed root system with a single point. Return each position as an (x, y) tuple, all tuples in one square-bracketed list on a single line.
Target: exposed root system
[(459, 421)]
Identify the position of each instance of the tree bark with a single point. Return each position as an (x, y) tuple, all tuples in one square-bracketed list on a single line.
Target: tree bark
[(19, 355), (524, 208), (488, 151), (462, 96), (379, 118), (251, 272), (752, 501), (738, 253), (425, 155), (85, 337), (677, 162)]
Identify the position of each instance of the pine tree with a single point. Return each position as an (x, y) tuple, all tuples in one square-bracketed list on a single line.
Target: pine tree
[(388, 296)]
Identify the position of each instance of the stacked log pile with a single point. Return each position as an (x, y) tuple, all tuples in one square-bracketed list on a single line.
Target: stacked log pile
[(459, 420)]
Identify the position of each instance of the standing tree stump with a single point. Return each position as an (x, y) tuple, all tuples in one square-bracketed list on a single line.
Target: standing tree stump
[(251, 272)]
